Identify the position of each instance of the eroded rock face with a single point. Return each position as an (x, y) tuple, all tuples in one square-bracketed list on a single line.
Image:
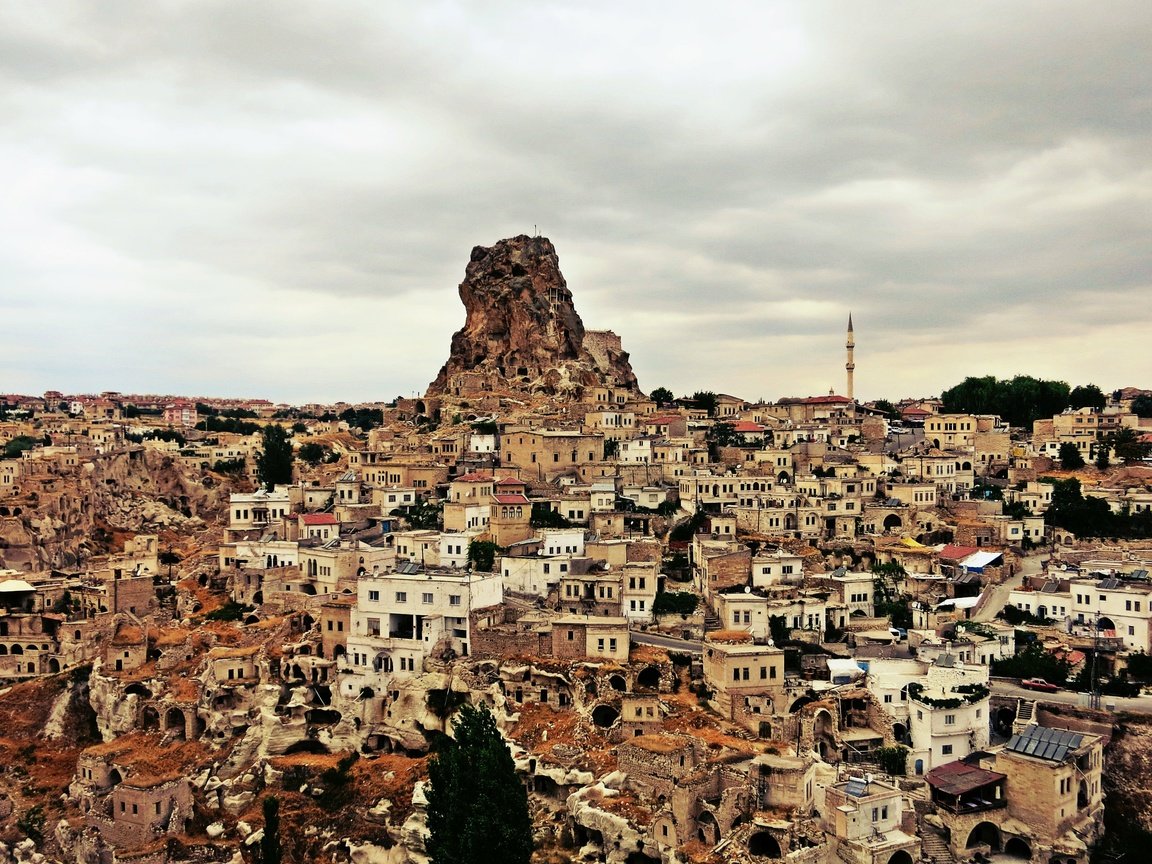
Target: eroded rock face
[(522, 333)]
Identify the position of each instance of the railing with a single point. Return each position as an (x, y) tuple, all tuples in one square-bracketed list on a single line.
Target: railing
[(972, 806)]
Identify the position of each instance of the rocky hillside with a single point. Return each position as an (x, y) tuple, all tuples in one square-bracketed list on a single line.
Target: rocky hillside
[(60, 521), (522, 332)]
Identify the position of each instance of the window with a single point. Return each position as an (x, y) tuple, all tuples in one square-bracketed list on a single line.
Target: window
[(401, 596), (373, 595), (427, 597), (453, 599), (887, 697), (571, 636), (946, 749), (599, 644), (949, 719), (612, 645)]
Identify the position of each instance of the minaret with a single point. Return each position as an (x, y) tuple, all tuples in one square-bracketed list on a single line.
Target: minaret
[(850, 366)]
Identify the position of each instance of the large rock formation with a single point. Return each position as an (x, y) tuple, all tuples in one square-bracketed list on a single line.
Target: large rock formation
[(522, 333)]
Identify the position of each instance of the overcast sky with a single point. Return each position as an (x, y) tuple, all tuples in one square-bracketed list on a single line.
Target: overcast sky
[(278, 199)]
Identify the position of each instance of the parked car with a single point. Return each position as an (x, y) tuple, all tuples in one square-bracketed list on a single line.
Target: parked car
[(1038, 684)]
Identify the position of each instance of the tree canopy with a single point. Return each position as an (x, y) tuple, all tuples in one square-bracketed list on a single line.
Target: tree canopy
[(661, 396), (274, 461), (1087, 396), (1020, 401), (1142, 406), (1070, 457), (477, 806), (705, 399)]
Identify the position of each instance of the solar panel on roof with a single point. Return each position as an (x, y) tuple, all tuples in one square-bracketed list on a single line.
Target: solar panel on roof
[(1049, 588), (856, 788), (1044, 743), (1109, 583), (1139, 574)]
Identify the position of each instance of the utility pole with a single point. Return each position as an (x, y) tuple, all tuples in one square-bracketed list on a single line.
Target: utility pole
[(1094, 696)]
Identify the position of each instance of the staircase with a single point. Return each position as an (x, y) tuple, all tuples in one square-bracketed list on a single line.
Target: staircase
[(711, 622), (932, 845), (1025, 710)]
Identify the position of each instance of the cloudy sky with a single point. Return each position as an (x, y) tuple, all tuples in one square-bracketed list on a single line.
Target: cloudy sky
[(277, 198)]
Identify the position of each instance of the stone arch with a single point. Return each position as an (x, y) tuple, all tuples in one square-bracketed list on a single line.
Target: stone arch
[(965, 466), (17, 649), (984, 834), (707, 828), (604, 715), (176, 723), (1017, 847), (764, 845), (617, 682), (149, 718), (800, 703), (891, 521), (114, 777), (919, 766), (649, 677), (1105, 623), (900, 856), (138, 689), (1005, 717), (53, 665), (3, 650), (899, 732), (258, 597), (338, 652), (308, 745), (782, 477)]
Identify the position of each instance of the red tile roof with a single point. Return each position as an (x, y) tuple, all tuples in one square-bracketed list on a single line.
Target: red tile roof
[(509, 481), (511, 499), (747, 426), (956, 553), (473, 477), (956, 778), (318, 519)]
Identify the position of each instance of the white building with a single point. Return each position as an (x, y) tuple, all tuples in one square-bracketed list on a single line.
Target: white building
[(947, 714), (401, 618)]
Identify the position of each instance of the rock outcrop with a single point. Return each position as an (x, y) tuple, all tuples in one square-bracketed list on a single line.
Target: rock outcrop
[(522, 333)]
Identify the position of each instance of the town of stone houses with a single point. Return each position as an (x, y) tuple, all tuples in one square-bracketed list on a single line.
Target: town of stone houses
[(709, 629)]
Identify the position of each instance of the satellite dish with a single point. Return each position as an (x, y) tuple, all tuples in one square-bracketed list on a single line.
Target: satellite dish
[(747, 589), (868, 777)]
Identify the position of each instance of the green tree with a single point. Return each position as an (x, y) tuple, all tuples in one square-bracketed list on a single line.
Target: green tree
[(1087, 396), (18, 445), (1142, 406), (312, 453), (886, 408), (705, 399), (270, 850), (1070, 458), (274, 461), (477, 806), (661, 396), (1020, 401), (1102, 460), (1127, 444), (482, 555)]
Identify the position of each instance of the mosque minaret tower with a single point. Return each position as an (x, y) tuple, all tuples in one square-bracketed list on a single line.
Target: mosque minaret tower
[(850, 366)]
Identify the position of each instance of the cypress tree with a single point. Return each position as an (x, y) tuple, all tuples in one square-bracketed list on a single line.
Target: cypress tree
[(477, 806)]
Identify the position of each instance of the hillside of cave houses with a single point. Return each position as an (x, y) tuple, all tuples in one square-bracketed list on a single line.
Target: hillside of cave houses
[(679, 613)]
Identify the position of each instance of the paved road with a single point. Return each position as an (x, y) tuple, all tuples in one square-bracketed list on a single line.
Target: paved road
[(1031, 565), (1139, 704), (669, 642)]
